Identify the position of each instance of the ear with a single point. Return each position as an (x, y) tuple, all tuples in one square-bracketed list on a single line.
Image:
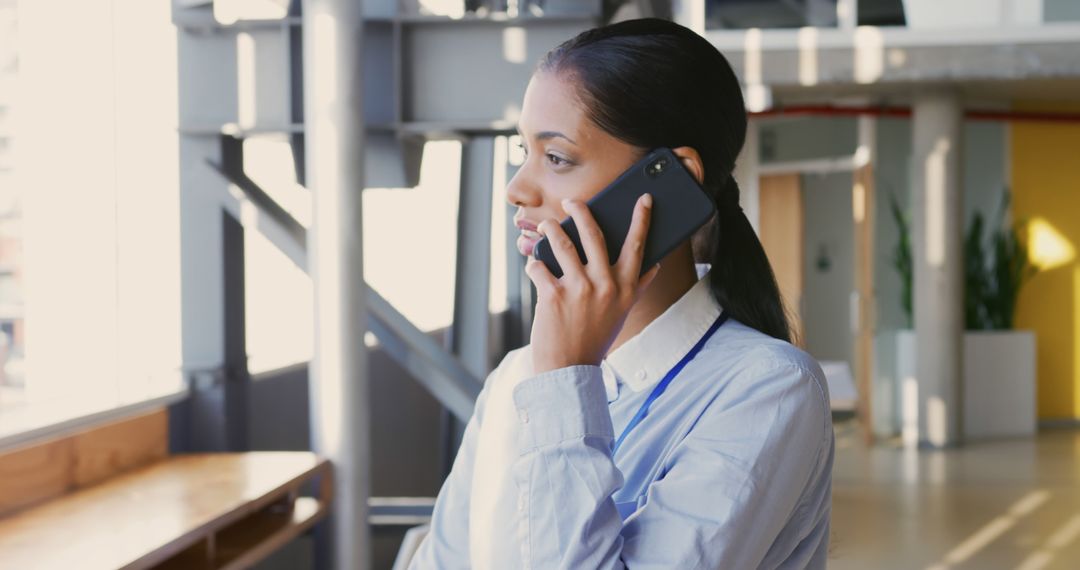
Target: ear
[(691, 160)]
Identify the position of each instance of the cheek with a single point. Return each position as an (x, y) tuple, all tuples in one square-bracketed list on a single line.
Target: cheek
[(581, 182), (577, 183)]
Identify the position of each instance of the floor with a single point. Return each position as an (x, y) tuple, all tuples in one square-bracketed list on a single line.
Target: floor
[(1010, 504)]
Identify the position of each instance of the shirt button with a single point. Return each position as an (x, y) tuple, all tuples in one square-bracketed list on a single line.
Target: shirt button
[(521, 503), (523, 415), (641, 374)]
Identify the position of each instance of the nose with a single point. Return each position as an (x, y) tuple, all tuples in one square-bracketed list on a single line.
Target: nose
[(521, 191)]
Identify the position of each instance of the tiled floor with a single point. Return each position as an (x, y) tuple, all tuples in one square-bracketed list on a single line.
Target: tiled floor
[(1011, 504)]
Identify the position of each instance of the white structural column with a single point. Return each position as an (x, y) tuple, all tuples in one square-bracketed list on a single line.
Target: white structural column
[(747, 174), (937, 224), (863, 299), (690, 13), (334, 129)]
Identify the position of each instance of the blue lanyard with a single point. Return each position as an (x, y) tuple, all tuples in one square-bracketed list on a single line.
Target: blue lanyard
[(641, 413)]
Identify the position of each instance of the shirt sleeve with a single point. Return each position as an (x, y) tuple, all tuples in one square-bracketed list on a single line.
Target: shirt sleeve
[(446, 546), (724, 494)]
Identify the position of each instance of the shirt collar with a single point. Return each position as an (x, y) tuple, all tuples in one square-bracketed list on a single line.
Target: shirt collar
[(644, 359)]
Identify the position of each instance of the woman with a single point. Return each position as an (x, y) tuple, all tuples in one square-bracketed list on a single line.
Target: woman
[(728, 461)]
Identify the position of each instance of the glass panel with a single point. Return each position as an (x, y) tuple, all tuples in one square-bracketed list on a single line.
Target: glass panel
[(743, 14), (12, 337)]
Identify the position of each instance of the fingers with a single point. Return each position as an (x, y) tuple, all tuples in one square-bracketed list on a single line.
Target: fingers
[(629, 263), (592, 238), (541, 277), (561, 246)]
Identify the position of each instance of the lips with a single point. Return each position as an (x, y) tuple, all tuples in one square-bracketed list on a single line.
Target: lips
[(528, 238)]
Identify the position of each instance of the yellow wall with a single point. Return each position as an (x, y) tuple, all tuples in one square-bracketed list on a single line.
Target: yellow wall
[(1046, 191)]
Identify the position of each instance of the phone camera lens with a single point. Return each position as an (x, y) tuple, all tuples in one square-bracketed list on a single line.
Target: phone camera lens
[(656, 167)]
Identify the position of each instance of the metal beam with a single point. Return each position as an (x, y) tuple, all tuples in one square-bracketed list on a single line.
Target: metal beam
[(470, 332), (237, 381), (439, 371), (404, 511), (232, 168), (277, 226), (442, 374), (339, 385), (207, 94)]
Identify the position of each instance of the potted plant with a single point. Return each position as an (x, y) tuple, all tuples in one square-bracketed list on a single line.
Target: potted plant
[(999, 362)]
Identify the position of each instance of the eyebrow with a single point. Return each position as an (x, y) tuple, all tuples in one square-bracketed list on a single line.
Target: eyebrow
[(544, 135)]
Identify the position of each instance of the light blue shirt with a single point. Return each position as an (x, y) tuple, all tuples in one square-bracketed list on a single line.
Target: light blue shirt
[(731, 468)]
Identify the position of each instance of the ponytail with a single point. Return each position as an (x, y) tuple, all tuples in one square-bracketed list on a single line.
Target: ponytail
[(741, 278)]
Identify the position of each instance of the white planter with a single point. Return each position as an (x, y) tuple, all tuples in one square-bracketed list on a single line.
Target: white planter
[(937, 14), (999, 384), (998, 390)]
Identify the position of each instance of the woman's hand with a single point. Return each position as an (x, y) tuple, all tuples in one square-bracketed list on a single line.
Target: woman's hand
[(579, 315)]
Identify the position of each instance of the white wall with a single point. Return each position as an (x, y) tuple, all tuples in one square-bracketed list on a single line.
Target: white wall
[(805, 138), (892, 175), (828, 224), (984, 169)]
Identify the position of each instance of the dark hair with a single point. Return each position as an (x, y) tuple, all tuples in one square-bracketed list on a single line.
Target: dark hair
[(653, 83)]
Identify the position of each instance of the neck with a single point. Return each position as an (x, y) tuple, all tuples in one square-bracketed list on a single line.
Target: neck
[(676, 276)]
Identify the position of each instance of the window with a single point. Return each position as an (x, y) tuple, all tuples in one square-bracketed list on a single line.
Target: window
[(89, 209), (741, 14), (12, 329)]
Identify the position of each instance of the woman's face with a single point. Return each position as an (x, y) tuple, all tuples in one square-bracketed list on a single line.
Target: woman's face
[(567, 156)]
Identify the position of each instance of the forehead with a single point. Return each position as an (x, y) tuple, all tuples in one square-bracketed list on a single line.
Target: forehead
[(551, 104)]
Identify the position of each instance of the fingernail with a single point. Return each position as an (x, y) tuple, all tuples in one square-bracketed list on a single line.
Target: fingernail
[(646, 200), (565, 202)]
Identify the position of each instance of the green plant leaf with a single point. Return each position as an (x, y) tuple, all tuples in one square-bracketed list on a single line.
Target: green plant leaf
[(995, 268)]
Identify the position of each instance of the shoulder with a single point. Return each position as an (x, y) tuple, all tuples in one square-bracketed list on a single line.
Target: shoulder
[(761, 370), (749, 350), (755, 348)]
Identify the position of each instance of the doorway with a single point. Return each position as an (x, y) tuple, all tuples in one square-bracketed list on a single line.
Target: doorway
[(812, 236)]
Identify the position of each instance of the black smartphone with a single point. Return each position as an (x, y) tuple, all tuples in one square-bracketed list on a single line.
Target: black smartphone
[(680, 207)]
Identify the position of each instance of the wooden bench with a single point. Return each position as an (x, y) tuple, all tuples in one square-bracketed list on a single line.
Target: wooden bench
[(215, 510)]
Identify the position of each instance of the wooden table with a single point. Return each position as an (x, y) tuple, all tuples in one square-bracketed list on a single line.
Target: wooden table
[(215, 510)]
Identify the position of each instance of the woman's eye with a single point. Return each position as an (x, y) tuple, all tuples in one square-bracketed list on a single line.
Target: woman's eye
[(556, 160)]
